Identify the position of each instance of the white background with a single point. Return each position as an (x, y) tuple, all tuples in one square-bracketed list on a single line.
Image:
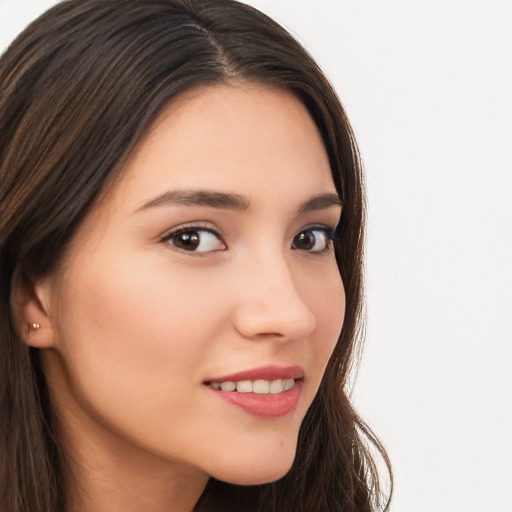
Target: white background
[(428, 87)]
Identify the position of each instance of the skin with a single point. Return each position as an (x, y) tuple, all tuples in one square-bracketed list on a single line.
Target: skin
[(133, 325)]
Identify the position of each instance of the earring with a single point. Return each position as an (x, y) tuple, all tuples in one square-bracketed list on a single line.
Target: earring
[(31, 327)]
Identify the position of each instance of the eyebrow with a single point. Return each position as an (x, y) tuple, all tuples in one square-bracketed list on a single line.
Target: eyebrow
[(320, 202), (230, 201), (219, 200)]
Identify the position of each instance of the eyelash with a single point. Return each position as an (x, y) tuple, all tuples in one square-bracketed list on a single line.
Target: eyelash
[(329, 233)]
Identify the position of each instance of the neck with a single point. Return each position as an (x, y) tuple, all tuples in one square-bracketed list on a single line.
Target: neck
[(108, 473), (106, 479)]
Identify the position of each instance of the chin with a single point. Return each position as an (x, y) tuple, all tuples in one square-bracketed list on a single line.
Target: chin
[(255, 472)]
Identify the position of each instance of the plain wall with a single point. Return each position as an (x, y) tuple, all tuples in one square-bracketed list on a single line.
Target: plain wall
[(428, 87)]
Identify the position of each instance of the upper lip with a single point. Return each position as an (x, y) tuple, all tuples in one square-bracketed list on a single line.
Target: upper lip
[(269, 372)]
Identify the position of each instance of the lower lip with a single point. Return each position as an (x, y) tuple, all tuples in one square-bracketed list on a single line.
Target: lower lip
[(262, 405)]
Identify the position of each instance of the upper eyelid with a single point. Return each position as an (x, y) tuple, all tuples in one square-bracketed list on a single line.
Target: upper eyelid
[(317, 226), (331, 230), (197, 226)]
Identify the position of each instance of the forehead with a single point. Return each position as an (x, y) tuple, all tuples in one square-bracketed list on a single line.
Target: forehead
[(239, 135)]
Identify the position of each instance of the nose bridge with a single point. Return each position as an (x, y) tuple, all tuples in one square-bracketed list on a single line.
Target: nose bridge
[(270, 302)]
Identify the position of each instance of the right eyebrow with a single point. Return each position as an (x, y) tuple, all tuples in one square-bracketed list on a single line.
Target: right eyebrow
[(219, 200)]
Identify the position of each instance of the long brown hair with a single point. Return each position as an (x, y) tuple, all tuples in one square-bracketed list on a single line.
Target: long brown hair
[(78, 88)]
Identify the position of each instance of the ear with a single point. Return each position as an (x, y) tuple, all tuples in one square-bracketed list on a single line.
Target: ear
[(31, 306)]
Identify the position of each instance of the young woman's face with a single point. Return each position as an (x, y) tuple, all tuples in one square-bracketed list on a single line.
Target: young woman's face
[(209, 263)]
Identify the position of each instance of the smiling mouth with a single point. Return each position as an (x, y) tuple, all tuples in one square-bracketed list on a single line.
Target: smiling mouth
[(271, 391), (259, 386)]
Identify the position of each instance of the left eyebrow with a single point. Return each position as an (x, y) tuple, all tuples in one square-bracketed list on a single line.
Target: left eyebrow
[(320, 202)]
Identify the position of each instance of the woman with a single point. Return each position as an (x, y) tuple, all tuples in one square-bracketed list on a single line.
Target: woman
[(181, 290)]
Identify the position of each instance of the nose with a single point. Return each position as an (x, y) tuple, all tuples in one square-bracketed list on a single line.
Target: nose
[(270, 305)]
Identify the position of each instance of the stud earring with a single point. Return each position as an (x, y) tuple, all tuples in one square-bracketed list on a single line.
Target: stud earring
[(31, 327)]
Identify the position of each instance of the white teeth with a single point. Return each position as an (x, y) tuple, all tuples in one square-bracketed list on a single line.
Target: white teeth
[(287, 384), (261, 387), (244, 386), (228, 386), (276, 386)]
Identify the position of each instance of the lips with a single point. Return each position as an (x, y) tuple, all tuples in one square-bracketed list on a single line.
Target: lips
[(265, 392), (270, 372)]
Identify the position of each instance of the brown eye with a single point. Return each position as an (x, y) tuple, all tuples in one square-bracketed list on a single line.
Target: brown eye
[(312, 240), (196, 240)]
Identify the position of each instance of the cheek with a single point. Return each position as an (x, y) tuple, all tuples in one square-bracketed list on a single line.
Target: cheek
[(139, 304), (328, 304), (325, 297), (130, 331)]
